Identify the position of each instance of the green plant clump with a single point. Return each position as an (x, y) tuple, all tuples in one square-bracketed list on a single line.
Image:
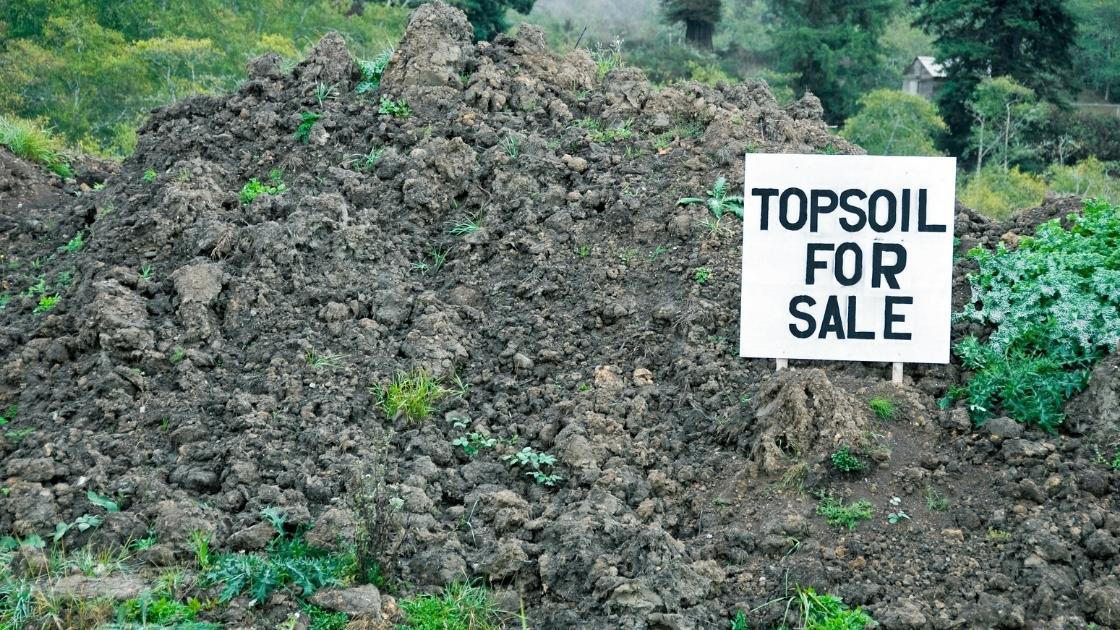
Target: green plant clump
[(821, 611), (537, 465), (34, 143), (372, 69), (844, 461), (415, 395), (1055, 306), (307, 121), (462, 606), (718, 201), (254, 188), (396, 109), (836, 513), (149, 176), (882, 407)]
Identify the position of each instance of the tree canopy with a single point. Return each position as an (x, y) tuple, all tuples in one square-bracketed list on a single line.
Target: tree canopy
[(891, 122)]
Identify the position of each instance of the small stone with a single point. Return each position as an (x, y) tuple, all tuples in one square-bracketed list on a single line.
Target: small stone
[(953, 533), (642, 377), (359, 601), (522, 363), (252, 538), (577, 164), (1003, 428)]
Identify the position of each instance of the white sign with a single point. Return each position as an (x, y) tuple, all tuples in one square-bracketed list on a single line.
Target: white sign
[(847, 257)]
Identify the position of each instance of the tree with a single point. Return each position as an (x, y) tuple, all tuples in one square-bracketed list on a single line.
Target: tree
[(699, 16), (1097, 54), (488, 17), (891, 122), (835, 48), (1000, 108), (1027, 40)]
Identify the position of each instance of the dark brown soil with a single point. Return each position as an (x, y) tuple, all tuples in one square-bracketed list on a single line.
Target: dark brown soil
[(173, 375)]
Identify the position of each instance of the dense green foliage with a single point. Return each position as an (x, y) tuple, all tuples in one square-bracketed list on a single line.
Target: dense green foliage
[(1027, 40), (891, 122), (488, 17), (1097, 55), (462, 606), (94, 67), (821, 611), (1054, 303)]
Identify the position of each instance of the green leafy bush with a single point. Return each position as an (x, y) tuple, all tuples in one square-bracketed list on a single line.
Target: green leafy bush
[(820, 611), (1088, 178), (844, 461), (396, 109), (372, 69), (891, 122), (998, 193), (1055, 306)]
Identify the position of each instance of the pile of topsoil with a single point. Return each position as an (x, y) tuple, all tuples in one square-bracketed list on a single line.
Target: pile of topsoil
[(209, 358)]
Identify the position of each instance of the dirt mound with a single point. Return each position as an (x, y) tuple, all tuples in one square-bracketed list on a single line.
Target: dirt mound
[(212, 357)]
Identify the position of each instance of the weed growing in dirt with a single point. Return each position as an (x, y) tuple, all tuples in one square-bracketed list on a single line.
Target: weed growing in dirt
[(200, 544), (325, 361), (413, 395), (64, 278), (462, 606), (662, 141), (34, 143), (537, 465), (583, 251), (4, 300), (160, 609), (365, 161), (718, 201), (1115, 463), (607, 58), (74, 244), (177, 355), (998, 535), (1055, 306), (149, 176), (701, 275), (9, 415), (371, 70), (307, 121), (396, 109), (898, 514), (882, 407), (836, 513), (600, 134), (473, 442), (511, 144), (935, 501), (289, 561), (47, 303), (466, 225), (254, 188), (432, 262), (844, 461), (325, 92), (739, 622), (821, 611)]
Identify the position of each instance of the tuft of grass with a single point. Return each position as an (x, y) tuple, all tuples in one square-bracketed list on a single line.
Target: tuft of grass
[(74, 244), (836, 513), (149, 176), (35, 143), (511, 144), (466, 225), (325, 361), (461, 606), (935, 501), (844, 461), (882, 407), (365, 161), (254, 188), (307, 121), (414, 395), (432, 262)]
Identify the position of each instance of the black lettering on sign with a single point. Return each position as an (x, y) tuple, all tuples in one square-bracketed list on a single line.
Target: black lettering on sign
[(873, 206), (856, 210), (922, 225), (812, 264), (823, 202), (766, 194), (890, 318), (890, 272), (857, 266), (802, 209), (811, 324), (832, 321), (853, 332)]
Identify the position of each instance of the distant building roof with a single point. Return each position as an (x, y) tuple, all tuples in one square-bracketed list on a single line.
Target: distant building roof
[(932, 67)]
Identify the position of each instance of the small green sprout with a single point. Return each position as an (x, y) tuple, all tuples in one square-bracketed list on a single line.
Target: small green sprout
[(844, 461), (47, 303), (701, 275), (396, 109), (149, 176), (718, 201), (307, 121), (882, 407)]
